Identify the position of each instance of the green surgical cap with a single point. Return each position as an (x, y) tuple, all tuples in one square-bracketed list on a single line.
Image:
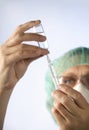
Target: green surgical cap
[(74, 57)]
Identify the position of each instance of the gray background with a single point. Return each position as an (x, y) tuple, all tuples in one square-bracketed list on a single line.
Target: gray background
[(66, 24)]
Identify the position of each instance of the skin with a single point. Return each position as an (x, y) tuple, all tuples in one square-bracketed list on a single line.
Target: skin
[(14, 60), (70, 109)]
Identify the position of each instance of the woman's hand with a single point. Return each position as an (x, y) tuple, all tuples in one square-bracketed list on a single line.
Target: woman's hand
[(15, 56), (70, 110)]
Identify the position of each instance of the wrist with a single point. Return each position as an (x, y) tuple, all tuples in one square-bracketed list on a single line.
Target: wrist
[(1, 91), (4, 99), (4, 92)]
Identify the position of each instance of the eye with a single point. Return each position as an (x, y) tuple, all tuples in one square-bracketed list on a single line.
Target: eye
[(67, 81)]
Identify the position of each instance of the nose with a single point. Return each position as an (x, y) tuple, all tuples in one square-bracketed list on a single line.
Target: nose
[(81, 80), (84, 81)]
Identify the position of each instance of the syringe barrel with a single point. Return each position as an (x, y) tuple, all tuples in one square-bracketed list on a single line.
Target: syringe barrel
[(53, 72)]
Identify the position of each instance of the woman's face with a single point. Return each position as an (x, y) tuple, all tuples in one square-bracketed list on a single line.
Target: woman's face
[(76, 74)]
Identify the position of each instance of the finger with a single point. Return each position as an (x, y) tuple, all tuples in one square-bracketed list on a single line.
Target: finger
[(33, 37), (58, 117), (18, 38), (24, 27), (66, 101), (78, 98), (62, 110), (21, 48), (20, 31), (25, 54)]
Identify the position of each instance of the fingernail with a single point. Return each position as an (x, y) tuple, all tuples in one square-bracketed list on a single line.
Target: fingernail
[(43, 38), (45, 52), (39, 21), (42, 52)]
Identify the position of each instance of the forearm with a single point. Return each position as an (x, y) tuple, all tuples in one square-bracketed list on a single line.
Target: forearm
[(4, 98)]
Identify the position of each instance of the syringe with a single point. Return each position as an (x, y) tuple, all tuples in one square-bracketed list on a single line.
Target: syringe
[(39, 29), (53, 72)]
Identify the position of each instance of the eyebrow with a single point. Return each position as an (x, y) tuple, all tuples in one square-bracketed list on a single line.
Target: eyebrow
[(70, 74), (74, 75)]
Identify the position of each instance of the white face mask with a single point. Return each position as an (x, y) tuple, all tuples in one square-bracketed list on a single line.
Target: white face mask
[(83, 90)]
